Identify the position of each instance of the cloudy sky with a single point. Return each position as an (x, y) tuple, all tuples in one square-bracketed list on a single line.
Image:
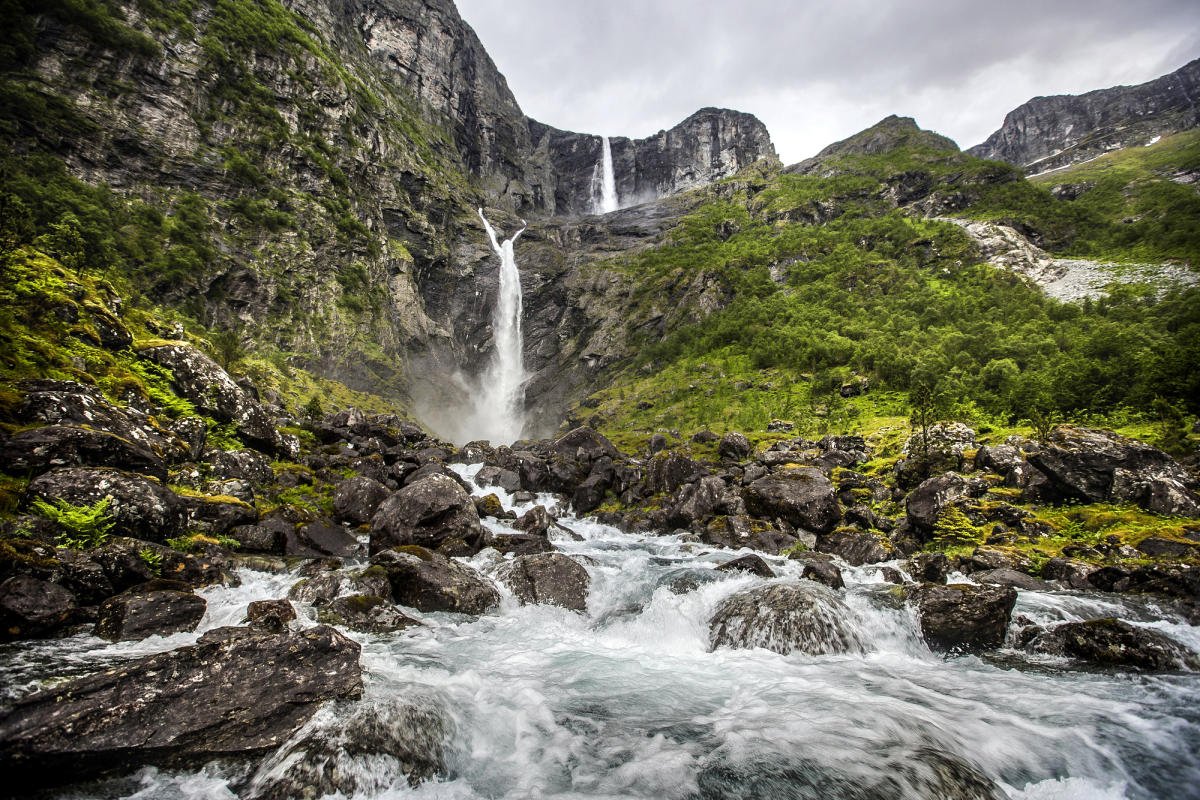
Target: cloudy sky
[(816, 72)]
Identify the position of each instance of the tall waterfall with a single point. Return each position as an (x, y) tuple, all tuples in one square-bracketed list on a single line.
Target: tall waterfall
[(608, 182), (499, 403)]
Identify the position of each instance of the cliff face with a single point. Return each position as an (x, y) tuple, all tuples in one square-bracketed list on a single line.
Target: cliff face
[(1051, 132)]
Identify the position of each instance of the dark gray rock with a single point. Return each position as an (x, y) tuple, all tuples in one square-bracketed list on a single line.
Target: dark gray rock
[(1072, 574), (856, 547), (270, 615), (734, 447), (320, 539), (245, 465), (237, 691), (428, 581), (1159, 547), (140, 507), (748, 563), (356, 500), (668, 472), (158, 608), (506, 479), (216, 516), (30, 607), (257, 538), (124, 564), (1000, 458), (41, 449), (427, 513), (73, 404), (366, 613), (547, 579), (1116, 643), (803, 497), (1010, 577), (785, 617), (960, 618), (926, 503), (825, 573), (929, 567), (696, 503)]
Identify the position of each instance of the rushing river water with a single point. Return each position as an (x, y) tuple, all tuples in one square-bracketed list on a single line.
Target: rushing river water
[(626, 700)]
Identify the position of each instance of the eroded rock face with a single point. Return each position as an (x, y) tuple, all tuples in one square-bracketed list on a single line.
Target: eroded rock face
[(38, 450), (237, 691), (803, 497), (785, 617), (155, 609), (1116, 643), (140, 507), (428, 581), (428, 512), (547, 578), (960, 618)]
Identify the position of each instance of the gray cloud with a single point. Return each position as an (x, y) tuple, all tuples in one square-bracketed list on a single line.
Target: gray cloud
[(817, 72)]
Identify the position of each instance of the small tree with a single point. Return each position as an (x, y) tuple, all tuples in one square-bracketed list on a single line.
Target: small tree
[(313, 410), (1172, 426), (227, 347), (923, 411)]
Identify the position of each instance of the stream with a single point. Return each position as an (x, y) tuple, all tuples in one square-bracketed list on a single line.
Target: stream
[(626, 701)]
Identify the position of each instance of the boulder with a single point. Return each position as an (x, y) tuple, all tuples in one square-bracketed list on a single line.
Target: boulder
[(1000, 458), (73, 404), (238, 691), (210, 388), (856, 547), (492, 475), (825, 573), (257, 538), (734, 447), (30, 607), (1072, 574), (785, 617), (520, 544), (699, 502), (1115, 643), (140, 507), (490, 506), (366, 613), (216, 516), (667, 472), (36, 451), (748, 563), (926, 503), (270, 615), (1092, 466), (427, 513), (1160, 547), (245, 465), (319, 539), (929, 567), (158, 608), (1010, 577), (428, 581), (536, 521), (736, 532), (960, 618), (547, 579), (802, 497), (356, 500), (125, 564)]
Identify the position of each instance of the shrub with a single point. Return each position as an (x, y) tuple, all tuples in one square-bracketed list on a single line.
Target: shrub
[(81, 527)]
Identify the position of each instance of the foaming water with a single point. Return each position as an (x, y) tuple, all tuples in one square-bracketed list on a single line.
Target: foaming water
[(605, 180), (628, 700)]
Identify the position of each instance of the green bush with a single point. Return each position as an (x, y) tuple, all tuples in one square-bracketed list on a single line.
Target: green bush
[(81, 527)]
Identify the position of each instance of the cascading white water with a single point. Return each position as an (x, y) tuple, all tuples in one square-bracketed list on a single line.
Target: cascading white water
[(498, 412), (627, 700), (607, 201)]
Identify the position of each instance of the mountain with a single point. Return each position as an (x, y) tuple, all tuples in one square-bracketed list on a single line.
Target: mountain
[(1051, 132)]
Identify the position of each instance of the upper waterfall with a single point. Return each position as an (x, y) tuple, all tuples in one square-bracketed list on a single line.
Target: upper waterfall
[(607, 200), (498, 412)]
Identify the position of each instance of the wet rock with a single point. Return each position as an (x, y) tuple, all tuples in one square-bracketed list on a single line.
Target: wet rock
[(157, 608), (987, 558), (366, 613), (536, 521), (506, 479), (30, 607), (701, 501), (216, 516), (520, 544), (1091, 466), (316, 590), (547, 579), (356, 500), (960, 618), (128, 562), (1072, 574), (929, 567), (802, 497), (748, 563), (825, 573), (79, 574), (357, 750), (319, 539), (428, 581), (734, 447), (256, 538), (926, 503), (736, 532), (427, 513), (238, 691), (856, 547), (1115, 643), (892, 575), (1010, 577), (490, 506), (41, 449), (785, 617), (270, 615), (140, 507)]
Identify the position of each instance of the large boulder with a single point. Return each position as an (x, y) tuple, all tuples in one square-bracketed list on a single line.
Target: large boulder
[(927, 502), (750, 563), (246, 465), (700, 501), (210, 388), (125, 564), (856, 547), (238, 691), (319, 539), (547, 579), (803, 497), (73, 404), (785, 617), (734, 446), (1115, 643), (367, 613), (506, 479), (155, 609), (356, 500), (960, 618), (41, 449), (1092, 466), (428, 581), (427, 513), (667, 472), (30, 607), (140, 507)]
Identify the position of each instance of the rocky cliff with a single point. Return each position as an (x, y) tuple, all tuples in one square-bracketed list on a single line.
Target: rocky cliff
[(1051, 132)]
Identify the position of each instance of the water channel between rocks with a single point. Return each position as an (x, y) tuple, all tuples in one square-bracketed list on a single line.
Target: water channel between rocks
[(627, 701)]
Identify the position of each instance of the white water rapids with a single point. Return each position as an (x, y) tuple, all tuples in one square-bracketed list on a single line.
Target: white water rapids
[(606, 199), (626, 701), (498, 407)]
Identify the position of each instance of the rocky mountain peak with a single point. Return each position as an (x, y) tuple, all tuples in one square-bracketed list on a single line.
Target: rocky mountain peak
[(1051, 132), (888, 134)]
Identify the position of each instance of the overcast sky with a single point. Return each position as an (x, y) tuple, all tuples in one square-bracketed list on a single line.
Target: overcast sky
[(816, 72)]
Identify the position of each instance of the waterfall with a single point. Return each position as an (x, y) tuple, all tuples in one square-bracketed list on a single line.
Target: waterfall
[(607, 201), (499, 404)]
